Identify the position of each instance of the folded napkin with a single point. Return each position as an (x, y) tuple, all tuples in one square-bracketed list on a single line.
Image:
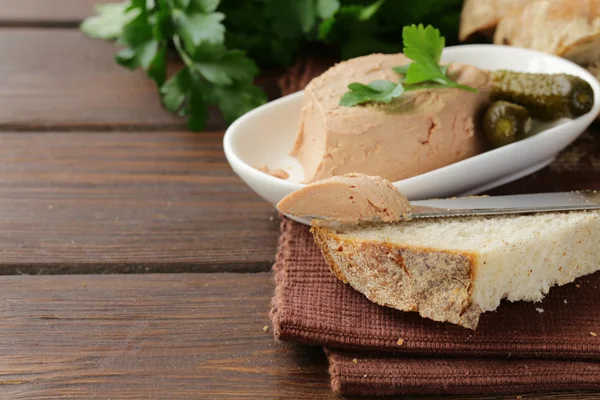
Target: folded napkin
[(374, 350)]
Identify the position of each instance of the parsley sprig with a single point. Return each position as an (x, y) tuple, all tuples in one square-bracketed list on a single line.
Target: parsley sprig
[(204, 34), (212, 74), (424, 46)]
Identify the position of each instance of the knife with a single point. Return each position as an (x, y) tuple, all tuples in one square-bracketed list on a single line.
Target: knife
[(515, 204)]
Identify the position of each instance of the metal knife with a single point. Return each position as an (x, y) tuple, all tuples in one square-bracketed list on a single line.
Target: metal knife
[(515, 204)]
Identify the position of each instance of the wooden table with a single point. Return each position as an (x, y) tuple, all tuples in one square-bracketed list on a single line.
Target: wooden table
[(134, 263)]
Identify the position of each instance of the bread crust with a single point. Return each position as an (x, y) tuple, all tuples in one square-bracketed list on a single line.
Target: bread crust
[(435, 283), (483, 15), (567, 28)]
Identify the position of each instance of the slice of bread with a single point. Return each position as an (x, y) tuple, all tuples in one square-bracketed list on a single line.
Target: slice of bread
[(454, 269)]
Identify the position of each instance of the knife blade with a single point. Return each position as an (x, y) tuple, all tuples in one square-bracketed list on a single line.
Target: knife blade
[(514, 204)]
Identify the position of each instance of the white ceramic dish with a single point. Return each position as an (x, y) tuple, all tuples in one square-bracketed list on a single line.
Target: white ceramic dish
[(265, 136)]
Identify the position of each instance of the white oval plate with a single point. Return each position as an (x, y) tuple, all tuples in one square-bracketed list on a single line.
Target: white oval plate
[(265, 136)]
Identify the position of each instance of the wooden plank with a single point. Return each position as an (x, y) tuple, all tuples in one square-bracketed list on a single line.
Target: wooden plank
[(61, 79), (183, 336), (127, 202), (148, 337), (45, 12)]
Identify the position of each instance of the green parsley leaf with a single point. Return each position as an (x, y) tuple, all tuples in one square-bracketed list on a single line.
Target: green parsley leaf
[(424, 46), (272, 32), (162, 22), (143, 50), (305, 12), (197, 111), (197, 28), (419, 73), (292, 18), (238, 99), (368, 12), (251, 27), (109, 22), (141, 4), (157, 69), (187, 95), (355, 30), (144, 46), (127, 58), (137, 32), (326, 27), (326, 8), (205, 6), (183, 4), (379, 91), (174, 91), (425, 85), (213, 75), (226, 67), (146, 53), (403, 69)]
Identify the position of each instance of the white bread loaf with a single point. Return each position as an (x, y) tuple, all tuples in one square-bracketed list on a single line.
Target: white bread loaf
[(567, 28), (483, 15), (456, 268)]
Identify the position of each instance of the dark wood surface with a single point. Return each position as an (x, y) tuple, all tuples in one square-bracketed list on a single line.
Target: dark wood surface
[(96, 177), (185, 336), (168, 336), (61, 79), (45, 12), (82, 202)]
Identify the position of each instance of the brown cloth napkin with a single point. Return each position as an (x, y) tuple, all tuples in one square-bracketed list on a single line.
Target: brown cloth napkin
[(374, 350)]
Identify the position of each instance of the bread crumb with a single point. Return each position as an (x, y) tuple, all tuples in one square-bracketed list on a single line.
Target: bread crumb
[(540, 310), (84, 285), (266, 328), (593, 334), (50, 207), (519, 397), (354, 360), (577, 285), (400, 342), (565, 301), (270, 218)]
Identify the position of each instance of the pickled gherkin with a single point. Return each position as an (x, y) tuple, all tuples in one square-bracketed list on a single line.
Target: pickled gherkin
[(546, 96), (505, 123)]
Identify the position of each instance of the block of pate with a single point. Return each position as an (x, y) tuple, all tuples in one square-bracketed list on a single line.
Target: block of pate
[(418, 132)]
